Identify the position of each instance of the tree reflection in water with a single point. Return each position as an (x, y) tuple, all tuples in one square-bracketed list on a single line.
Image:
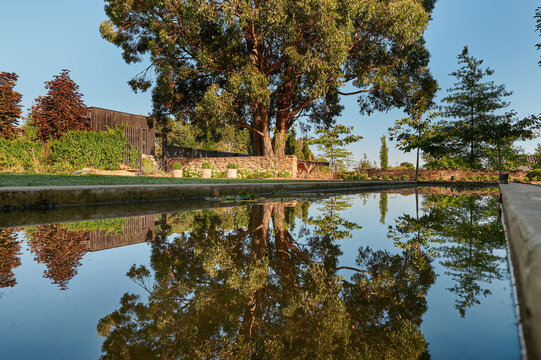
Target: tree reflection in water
[(10, 249), (59, 249), (235, 287), (464, 232)]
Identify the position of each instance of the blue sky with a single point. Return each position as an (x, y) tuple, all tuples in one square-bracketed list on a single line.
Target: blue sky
[(39, 38)]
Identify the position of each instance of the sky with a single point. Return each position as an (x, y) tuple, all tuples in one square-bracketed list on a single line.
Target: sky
[(40, 38)]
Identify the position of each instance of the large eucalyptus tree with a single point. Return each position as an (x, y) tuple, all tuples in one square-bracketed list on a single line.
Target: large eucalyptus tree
[(263, 64)]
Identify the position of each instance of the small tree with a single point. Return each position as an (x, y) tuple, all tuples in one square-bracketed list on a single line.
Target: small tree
[(473, 103), (10, 107), (413, 133), (384, 154), (291, 142), (331, 144), (504, 130), (61, 110)]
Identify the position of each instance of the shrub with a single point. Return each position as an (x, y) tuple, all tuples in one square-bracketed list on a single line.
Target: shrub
[(190, 172), (218, 174), (395, 177), (441, 178), (425, 177), (534, 173), (75, 150), (232, 166), (495, 178), (148, 168), (374, 177), (284, 174), (385, 177), (406, 166), (177, 166), (206, 165), (20, 155), (405, 177), (472, 177), (486, 178)]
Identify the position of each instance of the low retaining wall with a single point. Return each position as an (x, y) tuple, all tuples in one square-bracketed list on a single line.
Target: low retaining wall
[(522, 210), (279, 163), (436, 174), (38, 197)]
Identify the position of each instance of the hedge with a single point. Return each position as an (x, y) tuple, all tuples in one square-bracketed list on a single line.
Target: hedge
[(76, 150), (20, 155)]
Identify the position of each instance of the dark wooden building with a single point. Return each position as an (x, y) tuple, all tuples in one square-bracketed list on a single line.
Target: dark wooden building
[(139, 130)]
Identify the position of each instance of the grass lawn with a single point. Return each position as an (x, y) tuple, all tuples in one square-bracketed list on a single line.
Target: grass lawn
[(15, 179)]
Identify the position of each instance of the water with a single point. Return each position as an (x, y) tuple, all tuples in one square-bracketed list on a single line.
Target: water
[(364, 276)]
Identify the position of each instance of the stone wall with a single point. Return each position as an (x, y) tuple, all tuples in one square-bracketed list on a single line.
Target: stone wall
[(287, 162), (436, 174)]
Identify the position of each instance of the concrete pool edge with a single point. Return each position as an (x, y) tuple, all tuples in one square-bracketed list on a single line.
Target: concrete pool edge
[(521, 206), (44, 198)]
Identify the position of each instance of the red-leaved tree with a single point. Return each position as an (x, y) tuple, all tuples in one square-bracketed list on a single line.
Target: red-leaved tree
[(10, 249), (10, 107), (61, 110), (60, 250)]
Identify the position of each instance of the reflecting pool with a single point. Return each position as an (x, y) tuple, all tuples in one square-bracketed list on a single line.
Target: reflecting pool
[(401, 274)]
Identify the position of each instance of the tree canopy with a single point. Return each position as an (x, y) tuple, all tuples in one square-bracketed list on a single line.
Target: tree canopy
[(62, 109), (262, 65), (479, 124), (10, 107)]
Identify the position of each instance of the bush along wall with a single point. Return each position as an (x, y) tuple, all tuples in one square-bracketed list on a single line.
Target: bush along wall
[(21, 156), (76, 150)]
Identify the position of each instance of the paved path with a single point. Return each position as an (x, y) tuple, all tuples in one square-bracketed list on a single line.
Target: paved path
[(522, 212)]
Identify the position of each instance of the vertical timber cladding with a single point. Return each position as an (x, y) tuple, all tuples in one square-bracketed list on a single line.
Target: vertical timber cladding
[(140, 131)]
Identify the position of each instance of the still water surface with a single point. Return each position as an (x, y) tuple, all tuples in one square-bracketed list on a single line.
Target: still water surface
[(365, 276)]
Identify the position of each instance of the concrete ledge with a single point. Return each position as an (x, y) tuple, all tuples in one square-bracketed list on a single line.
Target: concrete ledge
[(522, 211), (25, 198)]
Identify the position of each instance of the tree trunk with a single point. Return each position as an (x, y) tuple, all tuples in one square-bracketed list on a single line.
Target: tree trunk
[(500, 159), (279, 142), (417, 167), (262, 144)]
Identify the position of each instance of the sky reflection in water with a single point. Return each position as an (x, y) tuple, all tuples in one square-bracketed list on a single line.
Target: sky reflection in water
[(366, 276)]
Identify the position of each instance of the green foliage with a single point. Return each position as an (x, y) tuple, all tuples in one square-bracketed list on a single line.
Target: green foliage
[(190, 172), (113, 226), (395, 177), (534, 173), (21, 155), (206, 165), (248, 64), (405, 177), (232, 166), (425, 177), (291, 143), (385, 177), (480, 130), (406, 166), (284, 174), (148, 168), (384, 154), (75, 150), (331, 143), (177, 166), (526, 179)]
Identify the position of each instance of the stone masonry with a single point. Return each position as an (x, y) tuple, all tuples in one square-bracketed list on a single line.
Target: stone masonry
[(287, 162)]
